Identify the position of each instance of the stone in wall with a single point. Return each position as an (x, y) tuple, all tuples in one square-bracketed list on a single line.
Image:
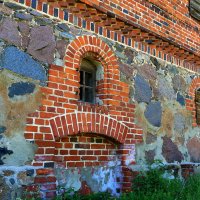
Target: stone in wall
[(21, 63), (168, 122), (150, 155), (42, 44), (5, 191), (23, 16), (150, 138), (179, 83), (127, 70), (61, 46), (43, 21), (130, 54), (14, 6), (26, 177), (180, 122), (5, 10), (156, 62), (153, 113), (118, 49), (147, 71), (193, 146), (20, 88), (4, 151), (170, 151), (63, 27), (2, 129), (165, 89), (143, 91), (35, 13), (171, 69), (180, 99), (9, 32), (141, 59)]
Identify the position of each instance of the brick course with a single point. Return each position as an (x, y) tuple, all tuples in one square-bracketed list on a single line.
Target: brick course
[(163, 29), (168, 19)]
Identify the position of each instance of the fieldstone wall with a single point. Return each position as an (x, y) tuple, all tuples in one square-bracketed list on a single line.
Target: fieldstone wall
[(14, 182), (29, 43), (160, 90)]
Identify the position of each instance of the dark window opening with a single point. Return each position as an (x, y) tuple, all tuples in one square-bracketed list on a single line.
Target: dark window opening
[(87, 81), (197, 102)]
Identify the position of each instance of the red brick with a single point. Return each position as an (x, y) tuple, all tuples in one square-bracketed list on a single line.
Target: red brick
[(88, 158), (72, 158), (32, 128), (97, 146), (45, 143), (63, 152)]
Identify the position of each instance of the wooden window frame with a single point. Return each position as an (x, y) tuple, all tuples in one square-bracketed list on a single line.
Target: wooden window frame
[(89, 68), (197, 105)]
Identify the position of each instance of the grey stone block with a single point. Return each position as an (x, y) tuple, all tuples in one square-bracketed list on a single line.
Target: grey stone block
[(21, 88), (153, 113), (23, 16), (22, 63), (143, 91), (42, 44), (170, 151)]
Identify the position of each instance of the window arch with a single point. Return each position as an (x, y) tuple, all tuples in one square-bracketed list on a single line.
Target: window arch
[(87, 91), (197, 103), (192, 101)]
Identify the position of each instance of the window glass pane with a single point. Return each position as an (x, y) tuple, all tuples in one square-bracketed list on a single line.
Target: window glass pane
[(81, 77), (89, 95), (88, 79), (81, 94)]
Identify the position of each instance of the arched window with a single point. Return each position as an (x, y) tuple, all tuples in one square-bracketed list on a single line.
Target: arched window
[(87, 81), (197, 102)]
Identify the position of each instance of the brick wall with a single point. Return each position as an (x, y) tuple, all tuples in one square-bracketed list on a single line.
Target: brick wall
[(168, 19), (164, 30), (57, 125)]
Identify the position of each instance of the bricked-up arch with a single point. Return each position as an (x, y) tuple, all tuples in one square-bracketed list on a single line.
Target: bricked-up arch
[(190, 101), (84, 122)]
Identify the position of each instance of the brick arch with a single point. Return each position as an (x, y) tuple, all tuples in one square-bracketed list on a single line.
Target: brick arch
[(84, 44), (190, 101), (84, 122), (110, 90)]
